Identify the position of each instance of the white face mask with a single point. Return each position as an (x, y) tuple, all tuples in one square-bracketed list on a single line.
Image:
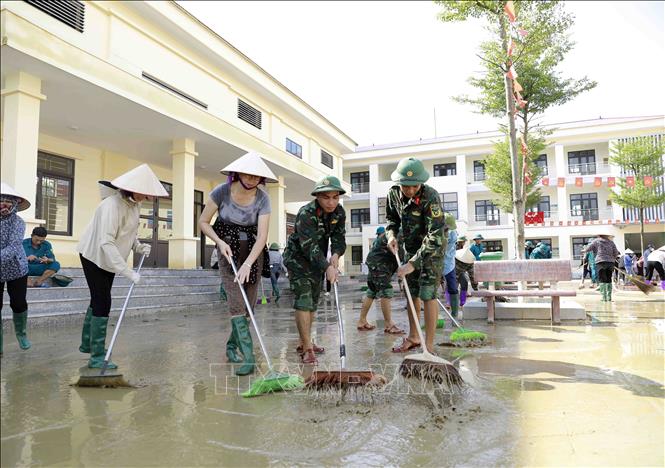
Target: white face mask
[(10, 210)]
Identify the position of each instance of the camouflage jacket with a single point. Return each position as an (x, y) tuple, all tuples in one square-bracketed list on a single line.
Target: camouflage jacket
[(380, 259), (307, 248), (421, 220)]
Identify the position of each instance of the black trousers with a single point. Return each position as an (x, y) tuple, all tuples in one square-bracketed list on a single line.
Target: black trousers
[(605, 270), (17, 290), (655, 265), (100, 283)]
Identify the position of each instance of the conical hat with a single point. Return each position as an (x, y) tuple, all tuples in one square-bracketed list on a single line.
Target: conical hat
[(465, 255), (6, 189), (141, 180), (628, 251), (252, 164)]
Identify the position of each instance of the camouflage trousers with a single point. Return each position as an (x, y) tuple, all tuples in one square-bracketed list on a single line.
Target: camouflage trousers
[(306, 289), (462, 270), (379, 285), (424, 282)]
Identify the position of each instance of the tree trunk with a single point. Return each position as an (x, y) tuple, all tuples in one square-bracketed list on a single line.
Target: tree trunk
[(518, 201), (642, 231)]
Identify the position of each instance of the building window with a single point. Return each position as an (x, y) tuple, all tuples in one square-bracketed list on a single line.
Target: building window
[(578, 244), (294, 148), (493, 246), (326, 159), (478, 171), (55, 189), (442, 170), (359, 216), (487, 212), (449, 202), (541, 162), (382, 210), (543, 206), (582, 162), (360, 182), (356, 255), (584, 205)]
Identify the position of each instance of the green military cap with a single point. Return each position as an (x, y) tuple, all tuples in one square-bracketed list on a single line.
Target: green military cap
[(461, 239), (328, 184), (450, 222), (409, 172), (274, 246), (478, 237), (529, 243)]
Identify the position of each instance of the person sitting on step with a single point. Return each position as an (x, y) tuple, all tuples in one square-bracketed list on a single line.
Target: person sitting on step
[(41, 260)]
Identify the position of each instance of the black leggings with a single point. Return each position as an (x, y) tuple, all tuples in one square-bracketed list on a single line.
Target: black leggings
[(17, 290), (605, 270), (100, 283), (655, 265)]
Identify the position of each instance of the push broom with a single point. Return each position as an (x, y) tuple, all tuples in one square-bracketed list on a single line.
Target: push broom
[(342, 379), (111, 380), (464, 336), (273, 381), (641, 285), (425, 365)]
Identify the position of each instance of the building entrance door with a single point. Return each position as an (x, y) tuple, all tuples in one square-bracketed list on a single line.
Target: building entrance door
[(156, 228)]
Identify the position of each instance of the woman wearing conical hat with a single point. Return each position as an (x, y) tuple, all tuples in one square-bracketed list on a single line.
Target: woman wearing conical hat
[(105, 246), (13, 262), (242, 207)]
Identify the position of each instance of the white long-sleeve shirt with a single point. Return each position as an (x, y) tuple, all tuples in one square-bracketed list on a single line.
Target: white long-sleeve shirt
[(111, 234)]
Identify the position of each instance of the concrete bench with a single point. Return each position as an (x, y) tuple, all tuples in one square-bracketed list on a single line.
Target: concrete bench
[(523, 270)]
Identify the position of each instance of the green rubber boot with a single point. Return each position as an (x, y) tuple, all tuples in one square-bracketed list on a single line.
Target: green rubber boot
[(602, 288), (20, 327), (244, 339), (454, 304), (85, 333), (608, 292), (275, 293), (232, 348), (98, 343), (222, 293), (1, 333)]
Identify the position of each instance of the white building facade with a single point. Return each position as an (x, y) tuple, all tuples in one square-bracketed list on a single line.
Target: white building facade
[(575, 202)]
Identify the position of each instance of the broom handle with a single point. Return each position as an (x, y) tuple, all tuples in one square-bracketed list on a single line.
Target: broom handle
[(448, 313), (426, 353), (107, 358), (251, 314), (340, 325)]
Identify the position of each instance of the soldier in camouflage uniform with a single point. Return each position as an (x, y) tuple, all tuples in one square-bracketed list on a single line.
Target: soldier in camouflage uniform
[(382, 266), (416, 209), (319, 222)]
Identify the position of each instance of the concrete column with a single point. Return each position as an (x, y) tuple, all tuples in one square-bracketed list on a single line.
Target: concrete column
[(462, 196), (20, 138), (277, 231), (565, 247), (615, 171), (182, 246), (373, 196), (561, 192)]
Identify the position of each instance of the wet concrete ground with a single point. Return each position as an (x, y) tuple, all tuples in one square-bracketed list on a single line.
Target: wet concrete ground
[(576, 394)]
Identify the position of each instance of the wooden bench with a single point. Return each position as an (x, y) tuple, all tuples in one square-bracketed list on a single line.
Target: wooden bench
[(523, 270)]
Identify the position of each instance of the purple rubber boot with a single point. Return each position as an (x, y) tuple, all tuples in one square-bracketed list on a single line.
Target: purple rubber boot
[(662, 285), (447, 297), (462, 297)]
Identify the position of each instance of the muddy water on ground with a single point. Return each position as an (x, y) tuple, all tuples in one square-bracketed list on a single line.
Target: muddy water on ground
[(540, 395)]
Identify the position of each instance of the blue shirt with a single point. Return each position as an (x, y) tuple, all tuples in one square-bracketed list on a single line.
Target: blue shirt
[(476, 250), (449, 257), (44, 250)]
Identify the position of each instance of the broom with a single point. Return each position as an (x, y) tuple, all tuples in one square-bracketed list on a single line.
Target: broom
[(264, 300), (343, 379), (425, 365), (464, 336), (641, 285), (272, 381)]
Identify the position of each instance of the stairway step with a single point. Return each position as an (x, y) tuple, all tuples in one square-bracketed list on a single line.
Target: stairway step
[(78, 292)]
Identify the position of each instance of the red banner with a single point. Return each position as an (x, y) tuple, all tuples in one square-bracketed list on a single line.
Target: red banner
[(562, 182), (630, 181), (509, 8), (611, 182), (648, 181), (598, 181), (579, 181), (534, 217), (545, 181)]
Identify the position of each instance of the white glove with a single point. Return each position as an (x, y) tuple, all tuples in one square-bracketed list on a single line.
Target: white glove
[(131, 275), (142, 249)]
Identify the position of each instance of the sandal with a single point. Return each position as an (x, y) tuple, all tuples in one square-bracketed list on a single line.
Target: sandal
[(308, 357), (315, 348), (366, 327), (394, 330), (405, 346)]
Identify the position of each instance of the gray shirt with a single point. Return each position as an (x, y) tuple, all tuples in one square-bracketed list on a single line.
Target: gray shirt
[(232, 213)]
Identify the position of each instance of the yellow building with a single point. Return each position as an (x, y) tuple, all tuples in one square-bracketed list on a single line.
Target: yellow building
[(91, 89)]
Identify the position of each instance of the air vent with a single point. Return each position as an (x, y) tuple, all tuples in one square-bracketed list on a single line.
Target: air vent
[(70, 12), (174, 90), (326, 159), (249, 114)]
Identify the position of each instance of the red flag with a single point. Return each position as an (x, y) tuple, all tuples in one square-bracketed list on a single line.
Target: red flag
[(534, 217), (562, 182), (611, 182), (648, 181), (522, 32), (630, 181), (598, 181), (509, 8), (517, 87), (511, 47), (512, 74), (579, 181), (545, 181)]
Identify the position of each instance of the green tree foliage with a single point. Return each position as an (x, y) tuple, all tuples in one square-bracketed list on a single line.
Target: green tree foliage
[(639, 157)]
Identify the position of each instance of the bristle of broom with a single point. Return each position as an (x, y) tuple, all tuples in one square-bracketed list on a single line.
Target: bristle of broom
[(343, 380), (110, 381), (439, 373)]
